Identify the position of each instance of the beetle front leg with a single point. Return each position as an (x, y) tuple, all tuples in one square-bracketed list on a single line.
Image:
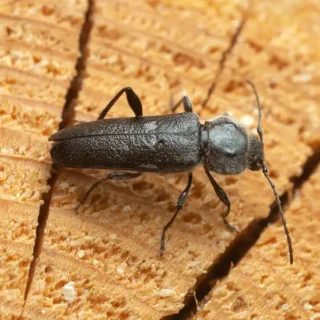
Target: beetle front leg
[(111, 176), (180, 204), (186, 104), (222, 195), (133, 101)]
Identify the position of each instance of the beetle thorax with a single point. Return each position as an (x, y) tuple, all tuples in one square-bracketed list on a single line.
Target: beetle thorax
[(226, 146)]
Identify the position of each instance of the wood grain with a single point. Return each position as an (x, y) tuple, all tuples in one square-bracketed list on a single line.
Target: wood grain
[(263, 285), (103, 262), (36, 67)]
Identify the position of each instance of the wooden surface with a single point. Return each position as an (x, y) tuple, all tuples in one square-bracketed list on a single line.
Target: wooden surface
[(263, 285), (103, 262), (39, 47)]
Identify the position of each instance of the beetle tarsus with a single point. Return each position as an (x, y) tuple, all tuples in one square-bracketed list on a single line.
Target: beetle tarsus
[(165, 228), (229, 225), (224, 218), (180, 204), (162, 245)]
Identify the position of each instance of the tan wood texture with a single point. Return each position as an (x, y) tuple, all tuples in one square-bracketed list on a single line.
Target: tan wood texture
[(38, 52), (263, 286), (103, 262)]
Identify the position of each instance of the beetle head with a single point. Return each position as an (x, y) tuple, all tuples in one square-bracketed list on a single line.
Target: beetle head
[(254, 155), (230, 150)]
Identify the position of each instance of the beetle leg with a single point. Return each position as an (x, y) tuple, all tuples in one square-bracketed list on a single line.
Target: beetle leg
[(222, 195), (111, 176), (180, 204), (133, 101), (186, 104)]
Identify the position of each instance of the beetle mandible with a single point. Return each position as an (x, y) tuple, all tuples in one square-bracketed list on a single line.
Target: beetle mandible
[(164, 144)]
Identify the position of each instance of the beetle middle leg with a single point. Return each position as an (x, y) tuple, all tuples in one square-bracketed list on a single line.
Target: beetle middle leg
[(111, 176), (222, 195), (133, 101), (186, 104), (180, 204)]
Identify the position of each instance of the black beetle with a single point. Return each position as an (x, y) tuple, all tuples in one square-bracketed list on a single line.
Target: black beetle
[(163, 144)]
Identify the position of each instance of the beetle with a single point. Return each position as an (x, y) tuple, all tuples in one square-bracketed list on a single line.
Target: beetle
[(164, 144)]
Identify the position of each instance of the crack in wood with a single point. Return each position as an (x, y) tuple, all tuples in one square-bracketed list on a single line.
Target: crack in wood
[(67, 118), (76, 84), (224, 58)]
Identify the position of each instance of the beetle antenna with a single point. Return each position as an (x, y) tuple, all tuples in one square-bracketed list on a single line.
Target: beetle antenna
[(265, 172)]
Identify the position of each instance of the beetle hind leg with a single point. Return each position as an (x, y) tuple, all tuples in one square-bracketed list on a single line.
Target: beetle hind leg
[(180, 204), (111, 176)]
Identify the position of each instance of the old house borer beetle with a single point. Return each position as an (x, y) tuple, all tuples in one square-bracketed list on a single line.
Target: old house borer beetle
[(164, 144)]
